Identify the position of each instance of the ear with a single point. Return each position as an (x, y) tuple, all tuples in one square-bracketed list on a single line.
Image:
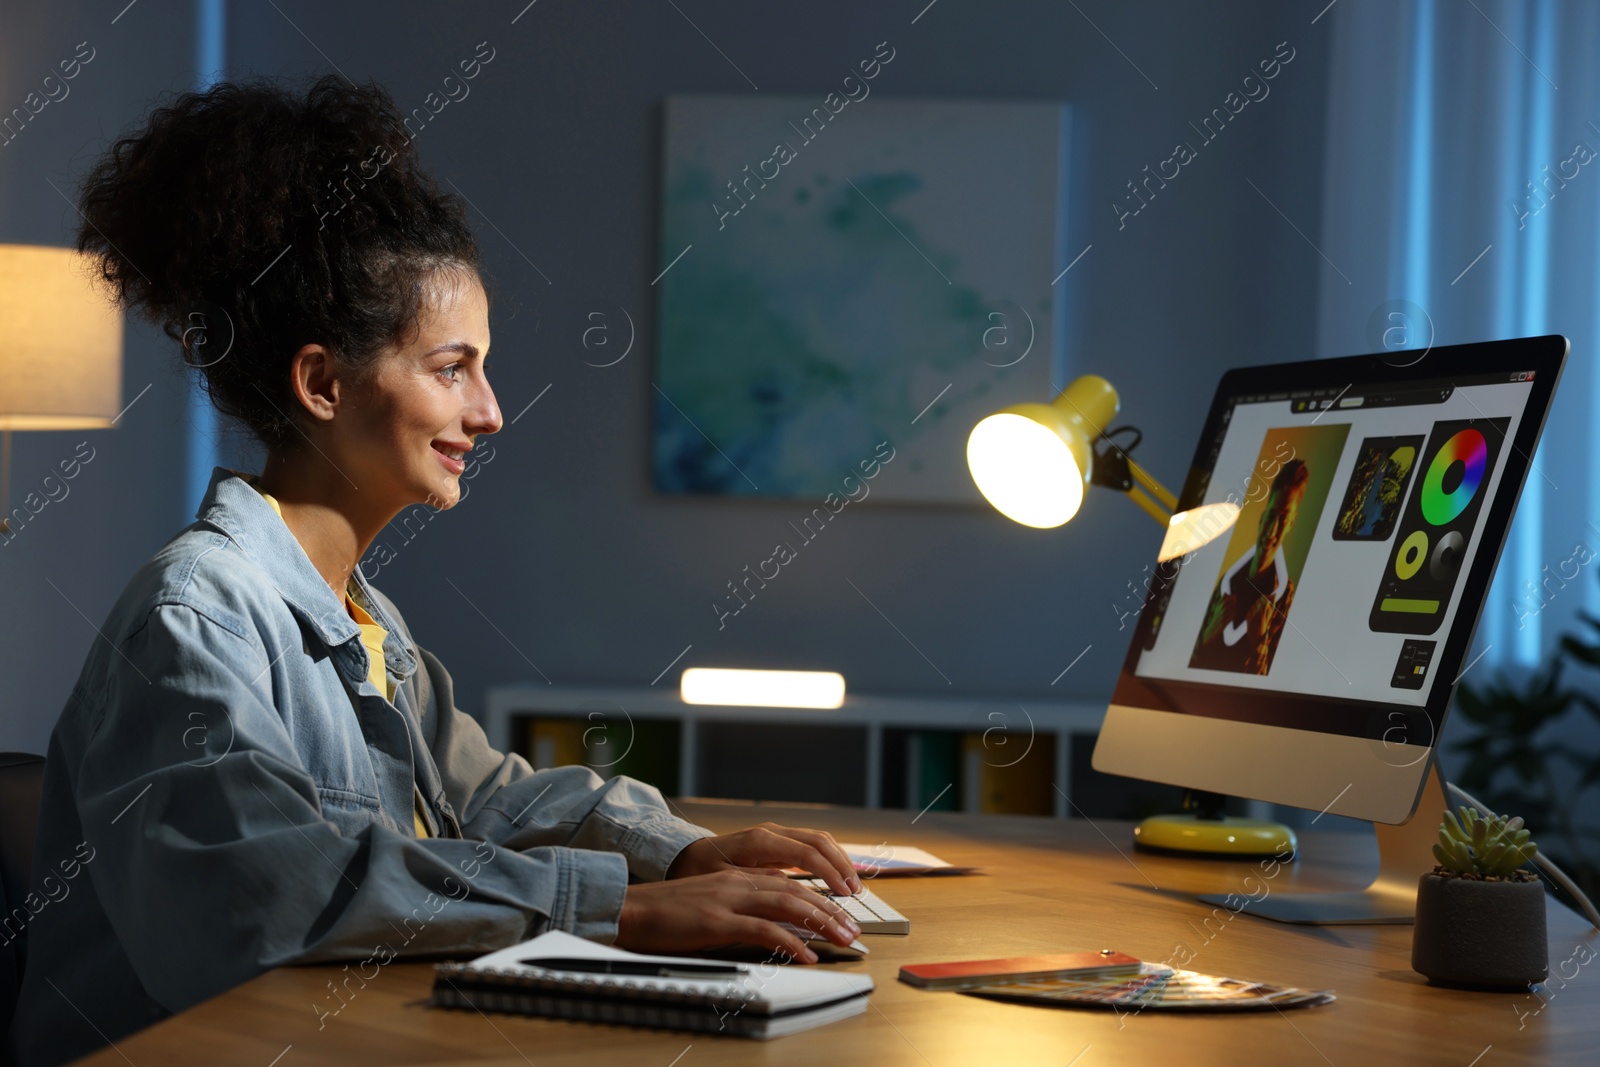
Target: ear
[(314, 379)]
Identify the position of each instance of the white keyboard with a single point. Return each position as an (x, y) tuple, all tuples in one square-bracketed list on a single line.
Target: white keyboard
[(868, 909)]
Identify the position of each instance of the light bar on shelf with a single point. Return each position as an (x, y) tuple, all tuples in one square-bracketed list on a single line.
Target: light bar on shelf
[(762, 689)]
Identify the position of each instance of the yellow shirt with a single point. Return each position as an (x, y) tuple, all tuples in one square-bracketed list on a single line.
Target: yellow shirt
[(372, 636)]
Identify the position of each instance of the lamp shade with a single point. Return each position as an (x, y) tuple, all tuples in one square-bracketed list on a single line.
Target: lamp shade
[(1033, 461), (60, 342)]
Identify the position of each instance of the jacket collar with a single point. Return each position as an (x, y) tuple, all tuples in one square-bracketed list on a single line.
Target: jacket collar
[(234, 507), (396, 648)]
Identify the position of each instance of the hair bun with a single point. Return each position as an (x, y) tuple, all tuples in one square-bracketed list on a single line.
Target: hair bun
[(302, 218)]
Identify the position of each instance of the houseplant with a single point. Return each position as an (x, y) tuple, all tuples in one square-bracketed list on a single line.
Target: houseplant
[(1480, 913), (1529, 745), (1527, 748)]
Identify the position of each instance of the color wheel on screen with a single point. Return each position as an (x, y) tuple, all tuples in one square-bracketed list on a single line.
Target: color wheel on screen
[(1465, 456), (1436, 526)]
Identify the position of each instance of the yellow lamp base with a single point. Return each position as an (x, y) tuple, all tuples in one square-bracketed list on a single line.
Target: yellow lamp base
[(1228, 836)]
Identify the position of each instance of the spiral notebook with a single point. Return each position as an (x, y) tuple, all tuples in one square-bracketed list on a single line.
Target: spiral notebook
[(753, 1000)]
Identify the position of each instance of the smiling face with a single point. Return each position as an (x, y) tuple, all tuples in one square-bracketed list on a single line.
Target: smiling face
[(423, 405)]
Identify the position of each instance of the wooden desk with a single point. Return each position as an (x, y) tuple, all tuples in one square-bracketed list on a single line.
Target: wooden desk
[(1050, 886)]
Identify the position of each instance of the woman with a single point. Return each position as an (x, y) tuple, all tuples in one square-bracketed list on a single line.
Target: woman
[(258, 765)]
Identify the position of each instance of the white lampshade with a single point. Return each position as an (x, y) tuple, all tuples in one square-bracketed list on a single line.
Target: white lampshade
[(60, 342)]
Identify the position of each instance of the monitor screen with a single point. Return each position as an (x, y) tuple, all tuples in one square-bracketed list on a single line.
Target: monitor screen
[(1374, 500)]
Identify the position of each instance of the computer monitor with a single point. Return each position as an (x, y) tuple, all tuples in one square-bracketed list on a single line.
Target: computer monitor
[(1306, 656)]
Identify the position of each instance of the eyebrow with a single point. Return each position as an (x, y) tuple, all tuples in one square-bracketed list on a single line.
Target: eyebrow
[(462, 347)]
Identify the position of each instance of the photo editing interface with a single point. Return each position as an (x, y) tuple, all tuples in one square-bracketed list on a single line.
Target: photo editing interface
[(1361, 513)]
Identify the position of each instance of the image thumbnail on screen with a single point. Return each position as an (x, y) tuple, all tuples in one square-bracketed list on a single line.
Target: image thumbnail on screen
[(1250, 603), (1377, 488)]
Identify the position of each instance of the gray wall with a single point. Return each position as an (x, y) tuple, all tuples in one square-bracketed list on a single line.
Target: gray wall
[(66, 566), (563, 555)]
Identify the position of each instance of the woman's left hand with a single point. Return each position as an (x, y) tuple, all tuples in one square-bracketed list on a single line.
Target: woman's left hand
[(768, 847)]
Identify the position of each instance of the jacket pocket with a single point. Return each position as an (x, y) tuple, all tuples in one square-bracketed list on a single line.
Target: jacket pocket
[(350, 812), (327, 735)]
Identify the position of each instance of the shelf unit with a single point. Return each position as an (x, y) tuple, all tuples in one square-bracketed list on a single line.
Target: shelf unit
[(823, 740)]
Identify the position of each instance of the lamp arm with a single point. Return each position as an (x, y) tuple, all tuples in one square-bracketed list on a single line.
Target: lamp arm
[(1115, 469), (1151, 507), (1154, 488)]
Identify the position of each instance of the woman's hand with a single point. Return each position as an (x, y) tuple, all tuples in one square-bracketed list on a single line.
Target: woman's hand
[(729, 907), (767, 847)]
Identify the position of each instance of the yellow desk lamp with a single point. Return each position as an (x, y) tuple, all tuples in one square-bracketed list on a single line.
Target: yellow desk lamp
[(1033, 462)]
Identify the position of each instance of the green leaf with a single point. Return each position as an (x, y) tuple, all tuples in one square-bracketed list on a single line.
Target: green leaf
[(1479, 772), (1471, 706), (1589, 654), (1460, 857), (1528, 765)]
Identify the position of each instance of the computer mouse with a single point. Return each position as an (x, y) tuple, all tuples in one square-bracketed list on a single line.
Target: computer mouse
[(825, 949)]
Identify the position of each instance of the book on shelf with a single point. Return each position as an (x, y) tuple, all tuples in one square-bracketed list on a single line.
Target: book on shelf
[(561, 976), (646, 749), (933, 770), (556, 743), (1008, 775), (990, 772)]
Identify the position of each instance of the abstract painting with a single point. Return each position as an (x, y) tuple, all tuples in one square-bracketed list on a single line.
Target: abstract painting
[(837, 272)]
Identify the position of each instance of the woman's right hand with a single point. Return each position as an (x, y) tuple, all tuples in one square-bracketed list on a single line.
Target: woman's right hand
[(727, 908)]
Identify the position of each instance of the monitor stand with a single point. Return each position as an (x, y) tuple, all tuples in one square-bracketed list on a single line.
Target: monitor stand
[(1405, 854)]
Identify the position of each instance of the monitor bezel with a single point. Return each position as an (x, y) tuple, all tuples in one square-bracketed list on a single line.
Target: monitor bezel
[(1411, 727)]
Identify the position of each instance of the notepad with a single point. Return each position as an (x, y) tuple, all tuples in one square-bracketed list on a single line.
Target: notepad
[(884, 859), (764, 1000)]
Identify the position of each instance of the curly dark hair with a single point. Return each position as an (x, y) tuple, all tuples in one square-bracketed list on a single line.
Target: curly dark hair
[(282, 220), (1293, 477)]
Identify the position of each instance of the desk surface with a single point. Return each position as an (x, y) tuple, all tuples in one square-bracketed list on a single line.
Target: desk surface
[(1049, 885)]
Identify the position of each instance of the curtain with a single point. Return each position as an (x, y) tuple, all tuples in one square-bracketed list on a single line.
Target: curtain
[(1462, 204)]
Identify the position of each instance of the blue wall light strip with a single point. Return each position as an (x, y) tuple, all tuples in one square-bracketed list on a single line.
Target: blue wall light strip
[(1419, 185), (202, 452), (1509, 255), (1581, 363), (1528, 534)]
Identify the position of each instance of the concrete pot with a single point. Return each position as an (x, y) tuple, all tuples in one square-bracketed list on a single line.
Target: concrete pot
[(1476, 934)]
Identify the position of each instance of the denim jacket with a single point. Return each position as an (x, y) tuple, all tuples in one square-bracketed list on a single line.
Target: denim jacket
[(230, 793)]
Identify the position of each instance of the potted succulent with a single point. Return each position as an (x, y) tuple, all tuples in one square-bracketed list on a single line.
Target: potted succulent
[(1480, 913)]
